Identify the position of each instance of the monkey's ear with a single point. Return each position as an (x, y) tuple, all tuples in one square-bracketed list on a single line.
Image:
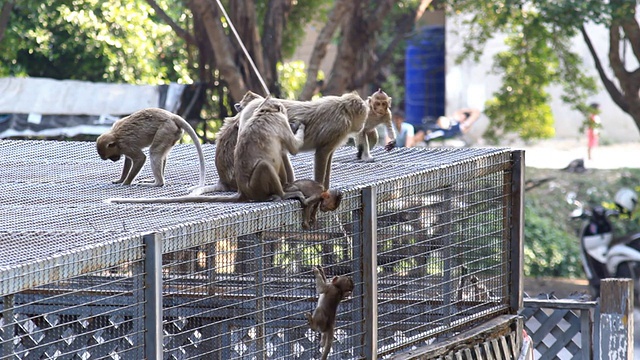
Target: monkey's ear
[(334, 280), (237, 106), (111, 144), (389, 102), (325, 195)]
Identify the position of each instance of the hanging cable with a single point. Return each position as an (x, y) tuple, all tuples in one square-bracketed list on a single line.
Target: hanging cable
[(246, 53)]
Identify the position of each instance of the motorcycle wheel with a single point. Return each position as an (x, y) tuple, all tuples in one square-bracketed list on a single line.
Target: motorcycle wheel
[(628, 270)]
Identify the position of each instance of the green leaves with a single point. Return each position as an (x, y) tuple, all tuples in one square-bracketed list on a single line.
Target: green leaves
[(92, 40), (538, 38)]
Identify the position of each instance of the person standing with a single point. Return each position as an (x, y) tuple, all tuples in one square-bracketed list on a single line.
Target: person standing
[(592, 125)]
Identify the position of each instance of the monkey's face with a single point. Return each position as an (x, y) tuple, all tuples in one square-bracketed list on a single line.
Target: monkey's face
[(246, 99), (379, 104), (107, 149), (345, 284), (330, 200)]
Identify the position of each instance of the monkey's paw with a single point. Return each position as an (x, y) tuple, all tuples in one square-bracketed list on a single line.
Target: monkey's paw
[(390, 145), (367, 158), (309, 318)]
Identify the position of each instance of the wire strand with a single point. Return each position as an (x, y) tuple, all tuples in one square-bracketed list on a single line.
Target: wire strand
[(246, 53)]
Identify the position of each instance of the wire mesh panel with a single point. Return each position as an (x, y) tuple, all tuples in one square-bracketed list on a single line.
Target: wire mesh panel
[(241, 288), (95, 314), (442, 253), (81, 277)]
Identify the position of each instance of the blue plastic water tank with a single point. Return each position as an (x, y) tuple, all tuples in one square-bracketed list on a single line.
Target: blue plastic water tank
[(424, 75)]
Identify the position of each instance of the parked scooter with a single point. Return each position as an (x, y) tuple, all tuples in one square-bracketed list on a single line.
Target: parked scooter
[(602, 255)]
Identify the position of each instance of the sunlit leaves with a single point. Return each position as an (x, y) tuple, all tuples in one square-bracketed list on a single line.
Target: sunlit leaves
[(114, 40), (539, 55)]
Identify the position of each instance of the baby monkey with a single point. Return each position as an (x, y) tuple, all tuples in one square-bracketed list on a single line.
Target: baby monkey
[(324, 316), (315, 197), (379, 113), (155, 128)]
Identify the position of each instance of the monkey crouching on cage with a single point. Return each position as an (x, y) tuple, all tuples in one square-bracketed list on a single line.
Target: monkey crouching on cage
[(330, 294)]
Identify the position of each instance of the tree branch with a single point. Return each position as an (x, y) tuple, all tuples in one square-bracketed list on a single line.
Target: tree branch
[(163, 15), (222, 48), (405, 27), (5, 14), (615, 94), (340, 9), (273, 29)]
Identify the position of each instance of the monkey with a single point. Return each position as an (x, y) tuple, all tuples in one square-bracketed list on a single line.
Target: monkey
[(480, 292), (262, 140), (226, 140), (470, 284), (315, 197), (328, 120), (379, 113), (155, 128), (330, 294)]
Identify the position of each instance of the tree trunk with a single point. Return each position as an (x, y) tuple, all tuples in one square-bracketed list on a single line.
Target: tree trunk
[(243, 16), (356, 52), (274, 24), (222, 48), (5, 13), (341, 8)]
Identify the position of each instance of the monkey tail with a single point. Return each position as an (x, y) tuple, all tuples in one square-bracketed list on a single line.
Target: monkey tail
[(180, 199), (192, 133)]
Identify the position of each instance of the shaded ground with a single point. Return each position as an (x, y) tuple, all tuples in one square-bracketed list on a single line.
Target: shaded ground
[(560, 287)]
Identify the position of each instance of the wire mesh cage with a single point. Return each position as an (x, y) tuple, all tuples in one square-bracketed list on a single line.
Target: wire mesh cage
[(425, 234)]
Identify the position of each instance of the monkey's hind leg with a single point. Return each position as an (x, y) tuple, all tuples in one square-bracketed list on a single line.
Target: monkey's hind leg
[(326, 341)]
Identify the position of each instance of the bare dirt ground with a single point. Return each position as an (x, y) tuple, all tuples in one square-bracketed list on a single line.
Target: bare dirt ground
[(559, 287)]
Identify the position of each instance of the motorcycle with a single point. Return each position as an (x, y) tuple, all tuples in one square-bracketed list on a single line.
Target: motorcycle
[(602, 255)]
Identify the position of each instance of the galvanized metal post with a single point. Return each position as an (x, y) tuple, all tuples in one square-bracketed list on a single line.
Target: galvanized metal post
[(260, 305), (8, 303), (153, 296), (370, 274), (616, 319), (447, 243), (516, 238)]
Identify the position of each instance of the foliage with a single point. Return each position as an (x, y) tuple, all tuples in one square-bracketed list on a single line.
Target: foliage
[(291, 77), (538, 55), (548, 250), (551, 236), (92, 40)]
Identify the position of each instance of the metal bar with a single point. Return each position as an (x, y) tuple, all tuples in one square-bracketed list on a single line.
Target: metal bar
[(358, 279), (138, 274), (370, 275), (153, 296), (8, 303), (516, 240), (447, 274), (260, 305)]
